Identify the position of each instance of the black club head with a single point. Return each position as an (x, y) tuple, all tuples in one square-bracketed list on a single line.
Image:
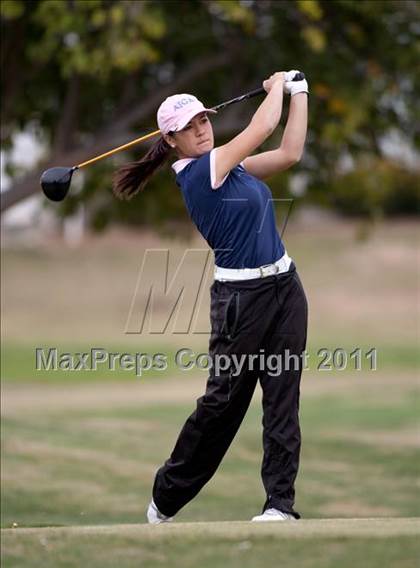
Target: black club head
[(55, 182)]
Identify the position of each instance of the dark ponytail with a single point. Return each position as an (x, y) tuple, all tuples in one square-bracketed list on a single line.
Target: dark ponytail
[(132, 178)]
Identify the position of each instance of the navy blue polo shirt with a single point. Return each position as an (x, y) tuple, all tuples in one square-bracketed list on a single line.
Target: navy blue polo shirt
[(237, 219)]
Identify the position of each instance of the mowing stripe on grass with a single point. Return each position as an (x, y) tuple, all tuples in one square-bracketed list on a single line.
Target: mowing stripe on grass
[(306, 528)]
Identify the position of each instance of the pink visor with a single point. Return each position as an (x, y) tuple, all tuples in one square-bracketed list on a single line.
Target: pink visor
[(176, 111)]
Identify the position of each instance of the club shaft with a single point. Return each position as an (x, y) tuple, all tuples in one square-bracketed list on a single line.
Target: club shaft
[(254, 93), (239, 99), (119, 149)]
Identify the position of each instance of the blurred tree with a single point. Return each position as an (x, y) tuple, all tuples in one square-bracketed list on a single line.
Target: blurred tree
[(370, 190), (85, 76)]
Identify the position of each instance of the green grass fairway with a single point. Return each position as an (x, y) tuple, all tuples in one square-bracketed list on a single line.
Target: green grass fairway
[(308, 543), (80, 449)]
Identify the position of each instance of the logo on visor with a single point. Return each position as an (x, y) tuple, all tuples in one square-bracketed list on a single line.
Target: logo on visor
[(182, 102)]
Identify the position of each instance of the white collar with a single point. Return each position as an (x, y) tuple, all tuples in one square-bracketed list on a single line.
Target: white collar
[(179, 165)]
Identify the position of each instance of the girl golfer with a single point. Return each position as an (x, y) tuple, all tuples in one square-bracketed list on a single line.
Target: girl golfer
[(258, 304)]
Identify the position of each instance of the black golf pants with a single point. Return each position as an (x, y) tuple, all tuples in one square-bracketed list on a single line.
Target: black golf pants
[(260, 317)]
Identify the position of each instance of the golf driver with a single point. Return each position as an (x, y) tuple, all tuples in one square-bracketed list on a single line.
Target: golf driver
[(55, 182)]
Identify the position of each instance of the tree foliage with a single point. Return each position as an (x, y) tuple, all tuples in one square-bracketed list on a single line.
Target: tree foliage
[(85, 76)]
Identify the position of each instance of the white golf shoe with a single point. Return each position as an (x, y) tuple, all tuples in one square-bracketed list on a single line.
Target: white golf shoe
[(155, 517), (273, 515)]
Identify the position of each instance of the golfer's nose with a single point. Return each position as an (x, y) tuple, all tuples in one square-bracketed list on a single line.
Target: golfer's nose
[(199, 130)]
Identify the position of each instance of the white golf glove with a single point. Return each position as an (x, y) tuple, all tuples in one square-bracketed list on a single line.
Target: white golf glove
[(294, 87)]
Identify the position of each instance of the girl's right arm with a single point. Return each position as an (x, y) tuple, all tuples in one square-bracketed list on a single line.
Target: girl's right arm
[(262, 125)]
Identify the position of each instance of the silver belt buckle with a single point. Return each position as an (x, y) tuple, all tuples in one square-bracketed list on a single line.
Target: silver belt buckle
[(267, 270)]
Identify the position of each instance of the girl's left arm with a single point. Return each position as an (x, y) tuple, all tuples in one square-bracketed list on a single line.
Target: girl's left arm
[(290, 151)]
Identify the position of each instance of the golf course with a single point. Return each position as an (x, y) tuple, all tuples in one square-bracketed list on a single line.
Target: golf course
[(80, 448)]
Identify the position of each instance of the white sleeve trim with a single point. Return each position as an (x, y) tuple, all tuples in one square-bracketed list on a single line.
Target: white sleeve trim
[(213, 171)]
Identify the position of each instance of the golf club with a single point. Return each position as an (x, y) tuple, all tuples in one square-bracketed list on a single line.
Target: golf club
[(55, 182)]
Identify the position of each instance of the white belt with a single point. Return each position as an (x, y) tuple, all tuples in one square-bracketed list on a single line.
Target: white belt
[(229, 274)]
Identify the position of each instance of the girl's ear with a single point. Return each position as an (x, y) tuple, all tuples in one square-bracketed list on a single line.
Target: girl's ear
[(170, 140)]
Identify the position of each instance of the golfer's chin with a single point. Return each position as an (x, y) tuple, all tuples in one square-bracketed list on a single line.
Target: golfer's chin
[(204, 147)]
